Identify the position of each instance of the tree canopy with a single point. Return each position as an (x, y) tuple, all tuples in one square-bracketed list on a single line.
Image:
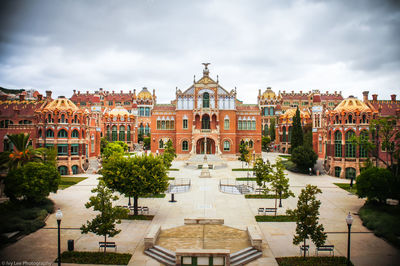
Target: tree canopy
[(263, 172), (279, 181), (169, 154), (135, 176), (104, 223), (112, 149), (304, 158), (297, 131), (306, 215), (272, 129), (244, 152)]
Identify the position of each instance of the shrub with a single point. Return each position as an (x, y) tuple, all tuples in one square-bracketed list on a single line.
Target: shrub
[(304, 158), (375, 184)]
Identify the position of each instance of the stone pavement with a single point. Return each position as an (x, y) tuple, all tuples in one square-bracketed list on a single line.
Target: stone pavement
[(205, 200)]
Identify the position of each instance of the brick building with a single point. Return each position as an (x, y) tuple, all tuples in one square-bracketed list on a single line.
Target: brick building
[(206, 118)]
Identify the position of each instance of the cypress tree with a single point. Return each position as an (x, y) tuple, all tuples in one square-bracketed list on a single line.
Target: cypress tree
[(297, 131)]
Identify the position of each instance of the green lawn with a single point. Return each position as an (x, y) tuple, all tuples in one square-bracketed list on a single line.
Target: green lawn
[(24, 217), (285, 156), (246, 179), (162, 195), (346, 186), (262, 196), (384, 220), (67, 181), (242, 169), (311, 261), (273, 218), (110, 258), (139, 217)]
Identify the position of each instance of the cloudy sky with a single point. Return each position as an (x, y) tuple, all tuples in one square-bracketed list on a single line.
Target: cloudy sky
[(347, 46)]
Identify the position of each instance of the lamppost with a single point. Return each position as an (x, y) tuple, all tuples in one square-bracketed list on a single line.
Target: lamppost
[(349, 221), (59, 216), (157, 153)]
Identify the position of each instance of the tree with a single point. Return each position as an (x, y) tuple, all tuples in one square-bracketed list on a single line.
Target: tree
[(33, 181), (135, 176), (122, 144), (103, 144), (263, 172), (244, 151), (22, 151), (169, 154), (297, 131), (272, 129), (306, 216), (111, 149), (140, 137), (147, 143), (104, 223), (307, 136), (377, 184), (279, 182), (265, 141), (304, 158)]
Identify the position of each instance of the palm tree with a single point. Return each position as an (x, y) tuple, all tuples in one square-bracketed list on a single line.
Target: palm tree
[(22, 151)]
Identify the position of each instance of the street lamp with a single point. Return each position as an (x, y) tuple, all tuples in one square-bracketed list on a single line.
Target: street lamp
[(157, 153), (349, 221), (59, 216)]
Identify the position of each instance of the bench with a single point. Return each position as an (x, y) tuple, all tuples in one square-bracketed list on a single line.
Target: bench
[(307, 249), (329, 248), (107, 245), (265, 210)]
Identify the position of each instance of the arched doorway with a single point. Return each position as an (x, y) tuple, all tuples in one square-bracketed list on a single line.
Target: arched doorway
[(210, 146), (74, 169)]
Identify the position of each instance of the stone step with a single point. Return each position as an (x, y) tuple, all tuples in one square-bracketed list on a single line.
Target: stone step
[(160, 258), (244, 255), (248, 259), (240, 252), (170, 254)]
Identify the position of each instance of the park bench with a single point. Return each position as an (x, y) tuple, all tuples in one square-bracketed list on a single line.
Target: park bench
[(307, 249), (265, 210), (329, 248), (107, 245)]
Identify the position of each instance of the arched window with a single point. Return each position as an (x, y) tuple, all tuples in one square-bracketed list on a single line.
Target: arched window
[(49, 118), (363, 146), (266, 130), (5, 123), (7, 145), (49, 133), (121, 133), (74, 169), (284, 134), (227, 145), (147, 128), (251, 144), (271, 111), (185, 145), (114, 133), (39, 133), (62, 134), (128, 134), (338, 144), (205, 122), (160, 144), (226, 124), (338, 170), (62, 118), (75, 119), (364, 119), (350, 145), (206, 100), (349, 119), (63, 170), (337, 119), (75, 133), (350, 173), (108, 133)]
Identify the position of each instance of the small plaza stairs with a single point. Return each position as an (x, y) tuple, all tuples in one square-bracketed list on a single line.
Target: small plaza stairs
[(161, 255), (245, 256)]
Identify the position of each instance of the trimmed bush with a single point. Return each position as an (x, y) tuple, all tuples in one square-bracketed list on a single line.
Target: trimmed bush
[(311, 261), (110, 258)]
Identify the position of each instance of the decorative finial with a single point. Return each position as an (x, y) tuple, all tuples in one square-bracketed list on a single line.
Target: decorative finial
[(205, 70)]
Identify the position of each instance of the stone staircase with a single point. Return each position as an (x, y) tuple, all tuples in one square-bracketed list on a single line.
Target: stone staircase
[(161, 255), (245, 256)]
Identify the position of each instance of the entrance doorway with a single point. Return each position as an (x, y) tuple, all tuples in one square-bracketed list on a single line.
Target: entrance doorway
[(210, 146)]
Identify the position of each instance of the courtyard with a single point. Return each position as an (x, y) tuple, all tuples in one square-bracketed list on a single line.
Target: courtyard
[(205, 200)]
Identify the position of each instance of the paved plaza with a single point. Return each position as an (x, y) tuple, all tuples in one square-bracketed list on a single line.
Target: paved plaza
[(205, 200)]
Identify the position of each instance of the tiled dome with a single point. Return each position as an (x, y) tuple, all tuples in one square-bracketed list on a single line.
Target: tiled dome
[(352, 104), (61, 104), (144, 94)]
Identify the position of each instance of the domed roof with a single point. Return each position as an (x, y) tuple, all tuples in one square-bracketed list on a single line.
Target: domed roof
[(119, 110), (352, 104), (61, 104), (269, 94), (292, 112), (144, 94)]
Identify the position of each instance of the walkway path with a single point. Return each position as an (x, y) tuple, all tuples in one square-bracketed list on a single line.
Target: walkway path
[(204, 200)]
